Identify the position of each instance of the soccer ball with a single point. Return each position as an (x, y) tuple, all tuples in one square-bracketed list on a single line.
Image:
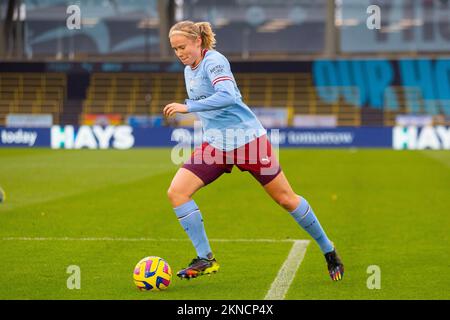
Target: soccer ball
[(152, 274), (2, 195)]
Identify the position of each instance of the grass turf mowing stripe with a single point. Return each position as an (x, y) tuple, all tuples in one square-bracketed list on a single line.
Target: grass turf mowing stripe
[(441, 157), (286, 275)]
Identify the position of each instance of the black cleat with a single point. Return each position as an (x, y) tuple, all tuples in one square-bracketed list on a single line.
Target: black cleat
[(335, 266), (198, 267)]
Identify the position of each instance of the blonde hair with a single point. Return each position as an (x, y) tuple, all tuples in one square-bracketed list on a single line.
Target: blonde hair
[(194, 30)]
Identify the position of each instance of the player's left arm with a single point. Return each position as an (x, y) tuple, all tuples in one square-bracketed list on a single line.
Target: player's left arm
[(218, 71)]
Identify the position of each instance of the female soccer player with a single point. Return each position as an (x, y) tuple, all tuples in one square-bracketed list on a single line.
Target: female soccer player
[(215, 97)]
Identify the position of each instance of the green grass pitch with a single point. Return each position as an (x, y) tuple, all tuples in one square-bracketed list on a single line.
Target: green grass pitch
[(381, 207)]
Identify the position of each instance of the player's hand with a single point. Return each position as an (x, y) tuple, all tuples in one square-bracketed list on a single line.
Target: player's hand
[(173, 108)]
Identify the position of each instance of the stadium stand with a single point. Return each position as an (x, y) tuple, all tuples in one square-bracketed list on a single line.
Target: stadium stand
[(32, 93), (139, 93), (147, 93), (132, 93), (132, 31)]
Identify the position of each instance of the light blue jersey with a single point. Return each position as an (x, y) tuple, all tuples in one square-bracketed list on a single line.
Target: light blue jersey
[(215, 97)]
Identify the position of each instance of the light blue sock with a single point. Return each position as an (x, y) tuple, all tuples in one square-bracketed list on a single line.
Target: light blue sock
[(191, 220), (306, 218)]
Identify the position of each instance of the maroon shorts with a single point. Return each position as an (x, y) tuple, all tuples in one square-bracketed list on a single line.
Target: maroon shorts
[(256, 157)]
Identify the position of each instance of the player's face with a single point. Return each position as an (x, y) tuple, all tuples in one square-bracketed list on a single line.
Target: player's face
[(186, 49)]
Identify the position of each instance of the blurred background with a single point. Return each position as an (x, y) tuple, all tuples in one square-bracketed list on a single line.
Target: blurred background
[(367, 78), (298, 63)]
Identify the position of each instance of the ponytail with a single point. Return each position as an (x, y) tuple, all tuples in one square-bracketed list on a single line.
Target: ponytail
[(207, 35)]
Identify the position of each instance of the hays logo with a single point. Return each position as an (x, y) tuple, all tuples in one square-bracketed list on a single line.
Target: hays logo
[(414, 138), (96, 137)]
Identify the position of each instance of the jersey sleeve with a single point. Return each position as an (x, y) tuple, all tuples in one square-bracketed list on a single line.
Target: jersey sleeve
[(218, 72), (218, 69)]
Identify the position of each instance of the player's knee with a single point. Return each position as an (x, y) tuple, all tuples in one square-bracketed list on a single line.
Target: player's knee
[(287, 201), (172, 193), (176, 196)]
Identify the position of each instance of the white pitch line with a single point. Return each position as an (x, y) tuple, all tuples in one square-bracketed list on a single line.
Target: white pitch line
[(135, 239), (286, 275)]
